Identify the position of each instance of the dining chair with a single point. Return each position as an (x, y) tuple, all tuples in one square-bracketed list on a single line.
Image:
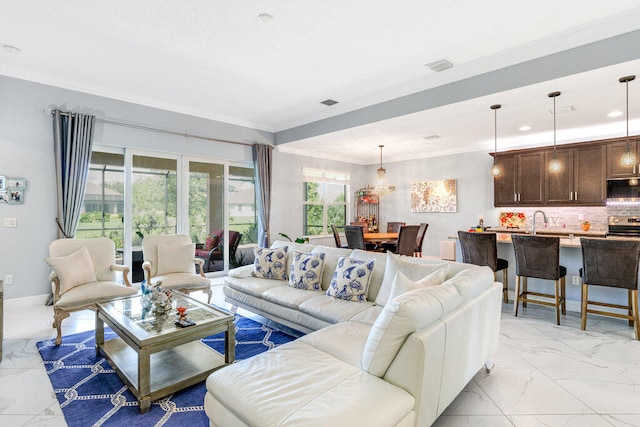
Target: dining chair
[(482, 249), (336, 237), (539, 257), (407, 237), (417, 252), (611, 263), (394, 226)]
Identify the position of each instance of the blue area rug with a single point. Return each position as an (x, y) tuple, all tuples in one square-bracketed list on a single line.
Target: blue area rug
[(91, 393)]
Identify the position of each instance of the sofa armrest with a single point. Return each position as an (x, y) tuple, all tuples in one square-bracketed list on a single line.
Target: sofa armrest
[(242, 272), (125, 272)]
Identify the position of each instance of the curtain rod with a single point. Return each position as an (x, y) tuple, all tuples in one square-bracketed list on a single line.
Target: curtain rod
[(152, 129)]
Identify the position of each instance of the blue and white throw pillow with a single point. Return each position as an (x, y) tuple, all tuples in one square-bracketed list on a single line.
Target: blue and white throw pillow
[(351, 279), (306, 271), (270, 263)]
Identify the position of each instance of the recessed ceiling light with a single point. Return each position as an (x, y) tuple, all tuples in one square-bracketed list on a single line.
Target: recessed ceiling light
[(10, 48), (329, 102), (615, 114), (524, 128), (265, 17)]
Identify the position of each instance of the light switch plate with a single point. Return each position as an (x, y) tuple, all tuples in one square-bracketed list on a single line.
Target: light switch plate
[(9, 222)]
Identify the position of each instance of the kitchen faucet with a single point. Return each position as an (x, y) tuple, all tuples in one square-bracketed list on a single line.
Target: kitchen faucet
[(533, 221)]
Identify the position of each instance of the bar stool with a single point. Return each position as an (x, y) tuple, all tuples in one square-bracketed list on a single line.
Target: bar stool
[(539, 257), (612, 263), (482, 249)]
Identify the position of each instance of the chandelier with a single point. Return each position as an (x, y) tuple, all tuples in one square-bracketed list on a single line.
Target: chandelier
[(381, 188)]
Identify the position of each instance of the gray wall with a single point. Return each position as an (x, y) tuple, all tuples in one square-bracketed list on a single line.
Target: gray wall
[(286, 203), (474, 194), (26, 150)]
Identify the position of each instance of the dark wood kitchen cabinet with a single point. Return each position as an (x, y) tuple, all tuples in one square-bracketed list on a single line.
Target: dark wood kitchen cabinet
[(521, 180), (614, 153), (581, 179)]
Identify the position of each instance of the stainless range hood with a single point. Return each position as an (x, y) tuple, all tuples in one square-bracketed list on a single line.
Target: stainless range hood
[(623, 189)]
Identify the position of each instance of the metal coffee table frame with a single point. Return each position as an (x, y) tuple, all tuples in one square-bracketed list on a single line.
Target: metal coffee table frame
[(153, 356)]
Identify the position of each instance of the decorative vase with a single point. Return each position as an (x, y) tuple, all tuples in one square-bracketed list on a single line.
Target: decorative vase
[(586, 226)]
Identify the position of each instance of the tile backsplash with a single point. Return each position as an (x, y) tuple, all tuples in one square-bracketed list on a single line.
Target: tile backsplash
[(568, 217)]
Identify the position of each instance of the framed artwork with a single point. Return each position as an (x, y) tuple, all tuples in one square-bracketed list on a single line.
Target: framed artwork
[(3, 182), (3, 196), (15, 196), (16, 183), (434, 196)]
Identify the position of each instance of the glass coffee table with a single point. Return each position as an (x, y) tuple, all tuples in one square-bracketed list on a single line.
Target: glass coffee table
[(152, 355)]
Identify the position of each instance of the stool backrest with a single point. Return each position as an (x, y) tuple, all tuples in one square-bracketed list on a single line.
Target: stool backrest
[(537, 256), (610, 262), (479, 248)]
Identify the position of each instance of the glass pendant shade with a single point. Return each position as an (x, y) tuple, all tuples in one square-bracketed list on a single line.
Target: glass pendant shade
[(495, 168), (554, 165), (381, 188), (628, 158)]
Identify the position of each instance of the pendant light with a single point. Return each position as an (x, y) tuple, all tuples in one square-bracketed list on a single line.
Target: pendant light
[(554, 164), (628, 158), (495, 168), (381, 188)]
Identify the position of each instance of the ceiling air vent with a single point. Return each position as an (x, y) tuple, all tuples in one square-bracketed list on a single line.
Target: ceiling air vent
[(329, 102), (432, 137), (440, 65)]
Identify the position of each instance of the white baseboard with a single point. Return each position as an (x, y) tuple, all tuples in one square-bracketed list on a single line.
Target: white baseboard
[(27, 302)]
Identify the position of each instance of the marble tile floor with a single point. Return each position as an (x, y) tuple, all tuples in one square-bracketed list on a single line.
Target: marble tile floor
[(544, 374)]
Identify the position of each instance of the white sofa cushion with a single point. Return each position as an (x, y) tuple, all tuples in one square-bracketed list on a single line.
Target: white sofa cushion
[(402, 316), (412, 269), (344, 341), (402, 284), (306, 271), (472, 281), (74, 269), (182, 280), (351, 279), (91, 293), (288, 296), (333, 310), (270, 263), (310, 389), (176, 259)]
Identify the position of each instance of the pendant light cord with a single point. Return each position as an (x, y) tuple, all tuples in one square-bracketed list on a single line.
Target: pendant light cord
[(554, 124)]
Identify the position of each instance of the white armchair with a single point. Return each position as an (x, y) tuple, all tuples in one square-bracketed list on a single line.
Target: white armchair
[(84, 274), (170, 258)]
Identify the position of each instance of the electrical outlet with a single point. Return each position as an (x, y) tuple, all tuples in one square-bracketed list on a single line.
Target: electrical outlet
[(580, 218), (575, 280), (8, 279), (9, 222)]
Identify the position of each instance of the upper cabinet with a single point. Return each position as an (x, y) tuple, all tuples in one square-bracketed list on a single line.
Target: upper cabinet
[(614, 154), (581, 179), (520, 182)]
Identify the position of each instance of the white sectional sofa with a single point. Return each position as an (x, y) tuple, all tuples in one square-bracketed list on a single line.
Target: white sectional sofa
[(387, 361)]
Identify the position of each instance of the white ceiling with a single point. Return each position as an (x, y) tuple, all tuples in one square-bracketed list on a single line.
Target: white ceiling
[(216, 59)]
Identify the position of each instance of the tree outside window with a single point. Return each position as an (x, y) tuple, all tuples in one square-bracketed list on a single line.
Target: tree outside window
[(325, 201)]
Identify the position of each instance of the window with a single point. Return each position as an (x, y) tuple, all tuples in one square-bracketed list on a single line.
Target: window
[(243, 216), (103, 206), (326, 199)]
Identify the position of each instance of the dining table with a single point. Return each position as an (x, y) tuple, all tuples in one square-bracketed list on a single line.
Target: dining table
[(380, 237)]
